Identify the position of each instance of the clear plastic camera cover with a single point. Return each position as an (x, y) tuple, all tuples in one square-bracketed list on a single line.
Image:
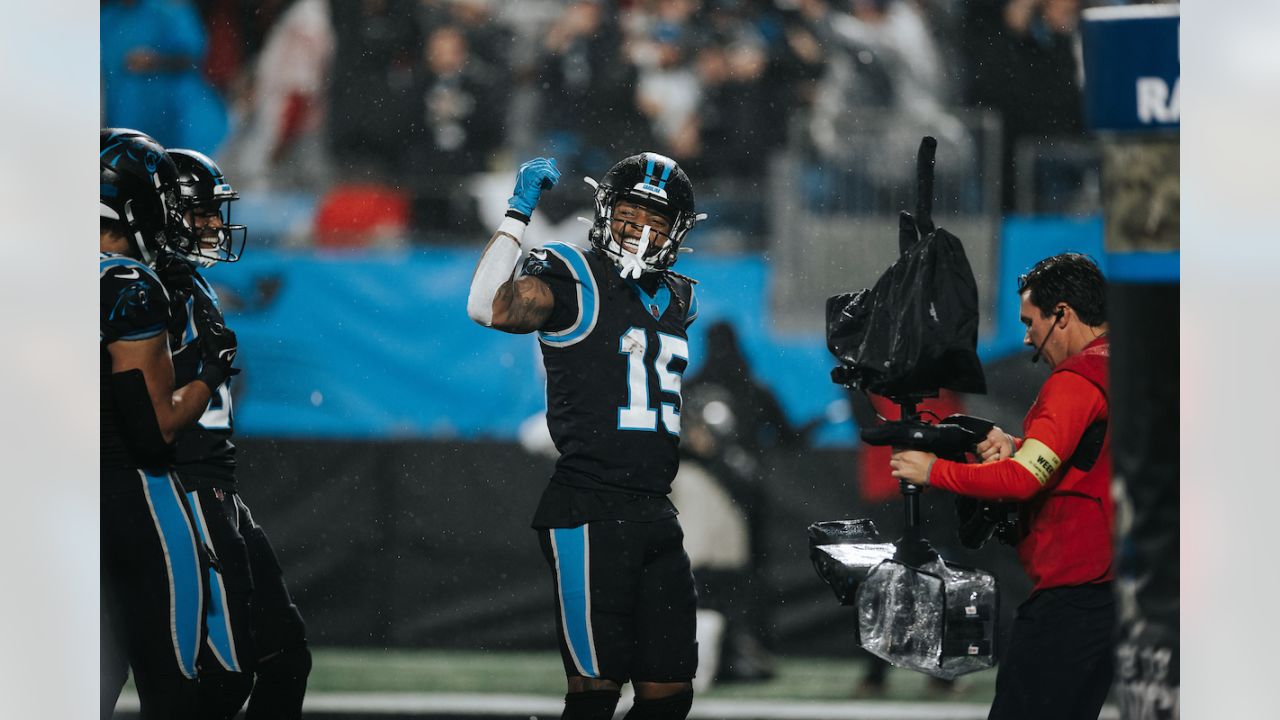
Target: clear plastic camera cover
[(844, 567), (938, 619)]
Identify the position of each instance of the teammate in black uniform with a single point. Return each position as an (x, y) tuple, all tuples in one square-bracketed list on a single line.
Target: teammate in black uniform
[(152, 592), (612, 325), (254, 629)]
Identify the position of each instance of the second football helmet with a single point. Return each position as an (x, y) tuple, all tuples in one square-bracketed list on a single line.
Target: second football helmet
[(139, 190), (653, 181), (203, 190)]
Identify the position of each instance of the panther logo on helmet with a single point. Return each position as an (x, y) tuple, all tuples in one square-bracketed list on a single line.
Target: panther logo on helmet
[(139, 190)]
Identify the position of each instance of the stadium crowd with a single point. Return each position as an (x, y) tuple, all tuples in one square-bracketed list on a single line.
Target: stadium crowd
[(417, 96)]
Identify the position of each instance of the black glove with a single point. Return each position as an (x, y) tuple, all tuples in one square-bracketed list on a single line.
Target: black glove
[(179, 281), (217, 349)]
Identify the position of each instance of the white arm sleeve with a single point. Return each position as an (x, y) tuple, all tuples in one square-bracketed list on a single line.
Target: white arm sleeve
[(495, 268)]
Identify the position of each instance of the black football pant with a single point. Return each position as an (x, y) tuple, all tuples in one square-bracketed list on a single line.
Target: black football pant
[(625, 600), (152, 593), (1060, 659), (256, 640)]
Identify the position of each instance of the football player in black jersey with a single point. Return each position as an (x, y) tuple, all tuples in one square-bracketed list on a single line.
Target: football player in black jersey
[(152, 563), (611, 322), (256, 636)]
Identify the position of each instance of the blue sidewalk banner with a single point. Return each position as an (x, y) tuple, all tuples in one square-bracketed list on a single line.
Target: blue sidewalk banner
[(377, 344)]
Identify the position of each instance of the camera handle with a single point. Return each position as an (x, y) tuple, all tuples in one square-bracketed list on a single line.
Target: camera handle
[(912, 548)]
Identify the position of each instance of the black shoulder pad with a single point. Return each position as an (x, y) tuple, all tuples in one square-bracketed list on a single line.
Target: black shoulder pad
[(134, 304)]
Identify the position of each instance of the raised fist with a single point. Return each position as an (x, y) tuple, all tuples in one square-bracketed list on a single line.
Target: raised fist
[(532, 178)]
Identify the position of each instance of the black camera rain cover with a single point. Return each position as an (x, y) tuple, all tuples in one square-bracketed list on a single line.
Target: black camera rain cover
[(916, 330)]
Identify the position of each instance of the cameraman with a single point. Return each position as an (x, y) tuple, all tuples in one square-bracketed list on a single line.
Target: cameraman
[(1059, 660)]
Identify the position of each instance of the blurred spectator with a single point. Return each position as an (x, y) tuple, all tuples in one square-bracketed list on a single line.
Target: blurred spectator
[(945, 19), (378, 46), (490, 42), (761, 423), (748, 424), (284, 109), (1024, 62), (732, 63), (668, 90), (152, 51), (237, 30), (714, 490), (587, 104), (461, 106), (881, 56), (737, 423), (800, 61)]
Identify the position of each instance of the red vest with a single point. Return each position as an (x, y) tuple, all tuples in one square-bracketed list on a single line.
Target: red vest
[(1067, 530)]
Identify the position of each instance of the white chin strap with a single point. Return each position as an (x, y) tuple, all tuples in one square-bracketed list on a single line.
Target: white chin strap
[(633, 264)]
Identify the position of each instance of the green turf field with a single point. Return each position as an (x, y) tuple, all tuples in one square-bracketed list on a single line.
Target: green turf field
[(466, 671)]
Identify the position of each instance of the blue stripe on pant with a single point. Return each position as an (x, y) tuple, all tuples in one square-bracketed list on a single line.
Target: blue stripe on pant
[(182, 559), (573, 568), (217, 617)]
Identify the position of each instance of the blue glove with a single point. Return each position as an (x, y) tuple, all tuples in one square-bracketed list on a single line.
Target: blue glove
[(531, 179)]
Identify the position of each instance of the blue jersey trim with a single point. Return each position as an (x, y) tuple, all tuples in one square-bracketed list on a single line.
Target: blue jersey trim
[(191, 332), (588, 297), (208, 290), (217, 617), (177, 539), (571, 549), (661, 298)]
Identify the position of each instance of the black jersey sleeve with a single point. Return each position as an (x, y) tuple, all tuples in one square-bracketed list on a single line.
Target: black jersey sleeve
[(565, 269), (134, 305)]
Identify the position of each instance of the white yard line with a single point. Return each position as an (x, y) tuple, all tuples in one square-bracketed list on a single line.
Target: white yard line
[(463, 704)]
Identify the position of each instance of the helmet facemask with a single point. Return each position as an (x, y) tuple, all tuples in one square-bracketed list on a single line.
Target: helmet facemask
[(205, 241), (648, 256), (204, 199)]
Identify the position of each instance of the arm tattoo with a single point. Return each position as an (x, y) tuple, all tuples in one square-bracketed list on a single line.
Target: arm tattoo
[(528, 302)]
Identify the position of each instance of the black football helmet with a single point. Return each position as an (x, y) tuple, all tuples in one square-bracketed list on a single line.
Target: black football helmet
[(202, 189), (139, 190), (653, 181)]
